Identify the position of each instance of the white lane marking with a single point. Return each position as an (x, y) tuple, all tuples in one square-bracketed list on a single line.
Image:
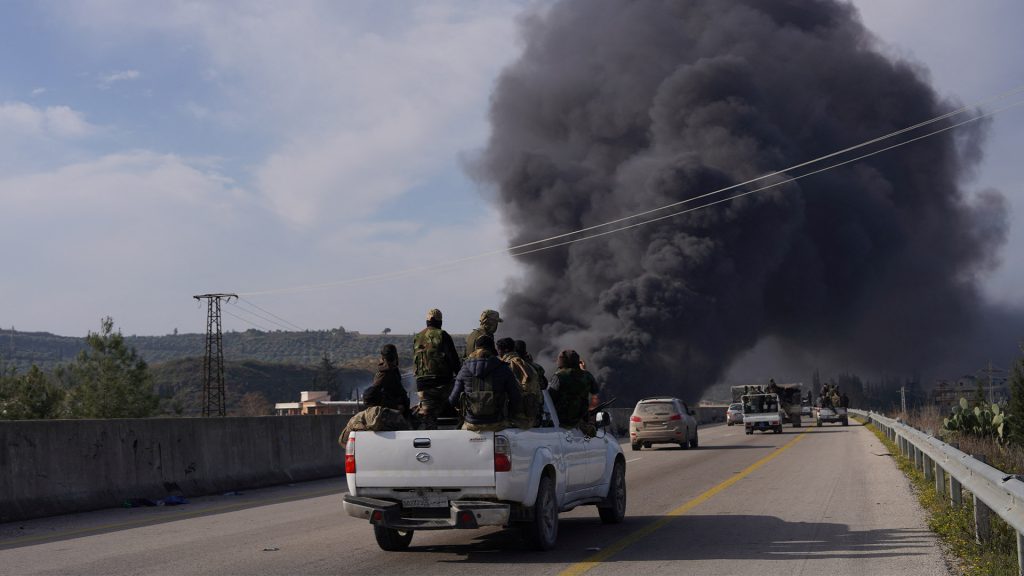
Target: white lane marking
[(634, 459)]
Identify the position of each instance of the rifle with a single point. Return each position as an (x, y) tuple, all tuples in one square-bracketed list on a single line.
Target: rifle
[(600, 407)]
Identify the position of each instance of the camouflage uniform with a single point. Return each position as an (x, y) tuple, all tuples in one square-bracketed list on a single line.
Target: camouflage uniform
[(488, 325), (496, 427), (521, 350), (569, 389), (529, 387), (435, 372)]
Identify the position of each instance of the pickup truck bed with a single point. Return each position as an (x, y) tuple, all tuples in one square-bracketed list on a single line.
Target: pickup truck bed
[(410, 480)]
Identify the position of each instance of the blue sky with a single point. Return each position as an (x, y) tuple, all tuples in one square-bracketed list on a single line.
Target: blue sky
[(150, 151)]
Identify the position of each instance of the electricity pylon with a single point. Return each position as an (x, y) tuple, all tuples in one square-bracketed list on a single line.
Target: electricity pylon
[(214, 403)]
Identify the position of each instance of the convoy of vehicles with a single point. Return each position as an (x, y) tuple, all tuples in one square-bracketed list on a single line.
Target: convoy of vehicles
[(662, 420), (790, 399), (411, 480)]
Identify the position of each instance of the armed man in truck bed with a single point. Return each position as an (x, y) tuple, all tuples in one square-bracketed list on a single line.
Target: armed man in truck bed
[(436, 363), (485, 390)]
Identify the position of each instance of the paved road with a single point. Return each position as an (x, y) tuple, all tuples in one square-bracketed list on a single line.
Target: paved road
[(814, 501)]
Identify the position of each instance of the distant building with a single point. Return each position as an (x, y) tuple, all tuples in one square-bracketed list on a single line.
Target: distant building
[(947, 393), (317, 402)]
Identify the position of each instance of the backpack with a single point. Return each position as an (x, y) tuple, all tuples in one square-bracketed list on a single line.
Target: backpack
[(375, 419), (481, 401), (428, 356)]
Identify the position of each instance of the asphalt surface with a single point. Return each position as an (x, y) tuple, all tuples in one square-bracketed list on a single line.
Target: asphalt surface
[(814, 501)]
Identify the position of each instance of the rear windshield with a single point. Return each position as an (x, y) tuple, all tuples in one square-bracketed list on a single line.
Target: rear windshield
[(655, 408)]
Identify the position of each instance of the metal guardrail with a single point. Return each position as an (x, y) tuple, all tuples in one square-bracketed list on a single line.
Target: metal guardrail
[(992, 489)]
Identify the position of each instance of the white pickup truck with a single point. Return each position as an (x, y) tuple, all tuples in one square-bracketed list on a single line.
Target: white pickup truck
[(762, 412), (413, 480)]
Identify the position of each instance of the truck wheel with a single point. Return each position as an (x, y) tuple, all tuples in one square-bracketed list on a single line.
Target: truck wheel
[(749, 432), (542, 531), (392, 540), (613, 509), (635, 446)]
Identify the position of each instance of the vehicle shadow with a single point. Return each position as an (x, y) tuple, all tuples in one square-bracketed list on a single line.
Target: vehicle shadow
[(765, 538)]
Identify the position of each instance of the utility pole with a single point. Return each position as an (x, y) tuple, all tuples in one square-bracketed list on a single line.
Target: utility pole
[(903, 400), (214, 403)]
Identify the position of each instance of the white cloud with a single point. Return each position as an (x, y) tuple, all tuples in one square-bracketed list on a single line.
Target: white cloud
[(107, 80), (363, 101), (352, 111), (38, 91), (127, 235), (18, 119)]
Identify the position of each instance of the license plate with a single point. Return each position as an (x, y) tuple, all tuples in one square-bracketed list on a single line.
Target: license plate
[(426, 500)]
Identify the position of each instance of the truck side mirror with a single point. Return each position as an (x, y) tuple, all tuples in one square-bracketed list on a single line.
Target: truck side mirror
[(603, 419)]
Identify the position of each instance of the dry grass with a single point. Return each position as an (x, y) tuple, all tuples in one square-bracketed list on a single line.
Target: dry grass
[(1007, 458), (955, 525)]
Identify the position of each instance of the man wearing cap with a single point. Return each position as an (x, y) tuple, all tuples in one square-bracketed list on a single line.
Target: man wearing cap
[(436, 362), (570, 390), (485, 390), (488, 325)]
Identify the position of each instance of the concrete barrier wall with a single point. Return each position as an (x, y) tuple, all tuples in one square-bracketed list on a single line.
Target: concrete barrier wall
[(60, 466)]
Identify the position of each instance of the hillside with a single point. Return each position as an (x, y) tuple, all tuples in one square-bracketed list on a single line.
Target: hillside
[(22, 349), (179, 383)]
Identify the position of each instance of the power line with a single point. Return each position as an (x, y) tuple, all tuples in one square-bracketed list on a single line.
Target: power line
[(260, 316), (516, 250), (264, 328), (761, 189), (253, 304)]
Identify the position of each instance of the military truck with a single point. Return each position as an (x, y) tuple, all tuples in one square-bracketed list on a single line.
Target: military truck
[(790, 396)]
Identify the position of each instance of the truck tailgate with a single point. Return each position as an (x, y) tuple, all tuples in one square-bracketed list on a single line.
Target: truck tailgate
[(424, 459)]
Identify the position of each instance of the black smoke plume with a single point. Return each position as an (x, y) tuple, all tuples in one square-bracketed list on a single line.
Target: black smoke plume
[(617, 107)]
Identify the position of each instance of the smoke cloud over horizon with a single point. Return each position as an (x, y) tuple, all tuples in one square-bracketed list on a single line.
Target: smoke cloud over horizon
[(619, 107)]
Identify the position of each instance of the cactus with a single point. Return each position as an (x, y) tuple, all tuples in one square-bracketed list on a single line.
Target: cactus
[(983, 421)]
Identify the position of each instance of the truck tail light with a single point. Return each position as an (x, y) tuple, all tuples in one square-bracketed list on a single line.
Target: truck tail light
[(635, 419), (502, 463), (350, 455), (676, 417)]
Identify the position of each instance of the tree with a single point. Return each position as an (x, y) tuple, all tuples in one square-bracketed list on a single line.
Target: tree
[(108, 379), (326, 377), (1016, 406), (979, 393), (32, 396), (387, 331), (254, 404)]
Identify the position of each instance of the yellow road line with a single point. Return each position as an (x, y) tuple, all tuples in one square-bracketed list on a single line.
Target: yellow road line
[(585, 565), (151, 520)]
